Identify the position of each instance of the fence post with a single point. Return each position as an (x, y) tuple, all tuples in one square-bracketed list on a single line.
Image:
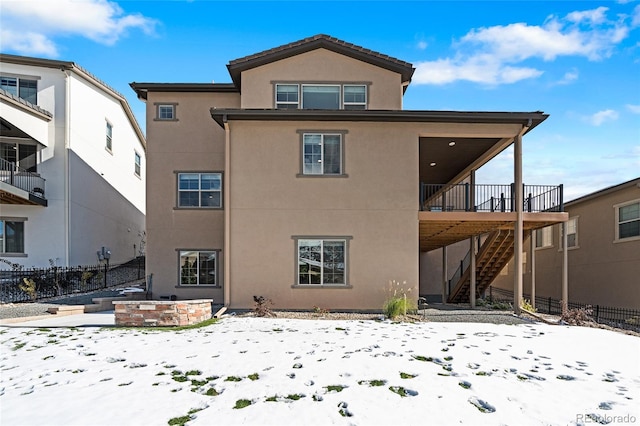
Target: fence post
[(597, 313), (513, 194), (549, 305), (105, 275)]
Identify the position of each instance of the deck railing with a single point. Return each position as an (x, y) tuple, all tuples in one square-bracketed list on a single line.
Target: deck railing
[(489, 198), (16, 176)]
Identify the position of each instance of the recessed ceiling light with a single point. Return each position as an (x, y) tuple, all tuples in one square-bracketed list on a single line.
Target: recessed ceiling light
[(452, 143), (432, 164)]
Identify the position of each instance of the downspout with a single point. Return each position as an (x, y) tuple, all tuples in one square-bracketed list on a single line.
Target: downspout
[(227, 215), (67, 177), (518, 201)]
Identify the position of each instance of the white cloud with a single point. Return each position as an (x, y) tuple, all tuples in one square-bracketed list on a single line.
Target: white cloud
[(493, 55), (633, 108), (569, 77), (422, 45), (601, 117), (32, 26)]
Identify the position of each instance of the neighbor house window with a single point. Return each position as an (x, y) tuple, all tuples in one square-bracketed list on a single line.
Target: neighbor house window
[(320, 96), (198, 267), (22, 155), (138, 164), (544, 237), (11, 236), (23, 88), (321, 154), (321, 261), (200, 190), (628, 220), (109, 135), (287, 96), (572, 233), (166, 112), (355, 96)]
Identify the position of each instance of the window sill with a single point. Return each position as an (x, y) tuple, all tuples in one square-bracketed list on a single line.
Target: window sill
[(625, 240), (320, 286), (198, 208), (302, 175), (198, 286), (165, 119), (14, 255)]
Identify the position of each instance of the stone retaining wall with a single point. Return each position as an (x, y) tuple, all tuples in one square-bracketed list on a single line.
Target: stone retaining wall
[(161, 313)]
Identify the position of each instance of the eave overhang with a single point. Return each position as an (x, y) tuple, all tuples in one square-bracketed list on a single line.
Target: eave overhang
[(142, 89)]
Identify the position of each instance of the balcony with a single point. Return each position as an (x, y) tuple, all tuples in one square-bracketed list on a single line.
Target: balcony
[(452, 213), (19, 186)]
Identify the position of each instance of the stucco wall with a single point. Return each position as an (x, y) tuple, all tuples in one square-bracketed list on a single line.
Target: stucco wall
[(192, 143), (321, 65), (601, 270)]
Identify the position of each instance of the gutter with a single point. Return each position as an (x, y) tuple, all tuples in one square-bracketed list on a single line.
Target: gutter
[(67, 177), (227, 215)]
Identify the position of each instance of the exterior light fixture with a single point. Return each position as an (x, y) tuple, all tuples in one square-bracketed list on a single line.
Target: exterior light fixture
[(452, 143), (432, 164)]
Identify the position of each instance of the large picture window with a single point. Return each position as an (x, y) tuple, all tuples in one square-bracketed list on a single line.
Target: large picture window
[(198, 267), (200, 190), (322, 261), (11, 236), (320, 96), (321, 154), (628, 220)]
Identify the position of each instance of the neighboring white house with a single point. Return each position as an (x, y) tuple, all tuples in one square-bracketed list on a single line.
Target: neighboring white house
[(72, 166)]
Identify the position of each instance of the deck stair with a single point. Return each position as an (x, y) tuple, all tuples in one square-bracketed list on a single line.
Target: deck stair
[(493, 255)]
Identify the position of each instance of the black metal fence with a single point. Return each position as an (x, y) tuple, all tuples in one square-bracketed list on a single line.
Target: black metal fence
[(628, 319), (28, 285)]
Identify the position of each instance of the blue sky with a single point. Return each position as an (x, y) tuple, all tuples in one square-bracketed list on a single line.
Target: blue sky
[(578, 61)]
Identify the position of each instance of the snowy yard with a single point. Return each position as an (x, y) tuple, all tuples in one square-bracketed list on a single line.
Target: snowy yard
[(245, 370)]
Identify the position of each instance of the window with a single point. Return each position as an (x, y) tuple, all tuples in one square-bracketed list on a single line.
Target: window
[(355, 96), (321, 154), (198, 267), (109, 134), (23, 88), (166, 112), (23, 155), (201, 190), (321, 261), (572, 233), (544, 237), (321, 96), (138, 164), (628, 220), (287, 96), (11, 236)]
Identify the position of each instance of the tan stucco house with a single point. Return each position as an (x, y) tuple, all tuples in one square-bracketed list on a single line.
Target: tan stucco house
[(306, 182), (603, 244)]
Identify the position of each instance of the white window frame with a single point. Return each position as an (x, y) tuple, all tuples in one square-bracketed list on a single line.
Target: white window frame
[(183, 253), (572, 229), (281, 104), (363, 104), (322, 153), (617, 221), (545, 238), (167, 107), (199, 190), (109, 137), (339, 86), (137, 167), (301, 240)]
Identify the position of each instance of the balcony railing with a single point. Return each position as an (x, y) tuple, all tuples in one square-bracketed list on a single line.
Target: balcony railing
[(489, 198), (14, 175)]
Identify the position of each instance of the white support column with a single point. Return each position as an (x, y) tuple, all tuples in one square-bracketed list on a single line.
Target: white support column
[(518, 204), (565, 265), (532, 256), (444, 275), (472, 271)]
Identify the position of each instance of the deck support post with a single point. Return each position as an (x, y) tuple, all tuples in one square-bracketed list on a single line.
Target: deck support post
[(444, 275), (532, 255), (472, 243), (565, 266), (518, 204)]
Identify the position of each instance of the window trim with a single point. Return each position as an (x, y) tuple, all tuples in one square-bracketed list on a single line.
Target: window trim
[(296, 244), (109, 137), (276, 103), (137, 165), (616, 222), (217, 284), (342, 134), (177, 190), (5, 219), (561, 229), (173, 105)]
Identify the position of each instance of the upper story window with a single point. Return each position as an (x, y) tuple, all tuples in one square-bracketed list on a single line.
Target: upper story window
[(200, 190), (628, 220), (109, 137), (321, 96), (166, 111), (23, 88), (137, 164), (25, 156), (572, 233), (321, 154)]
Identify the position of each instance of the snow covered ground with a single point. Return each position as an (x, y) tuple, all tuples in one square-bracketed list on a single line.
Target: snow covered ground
[(304, 372)]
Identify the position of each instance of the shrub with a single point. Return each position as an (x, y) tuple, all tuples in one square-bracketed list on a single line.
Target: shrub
[(261, 306), (29, 287), (526, 305), (397, 302), (576, 316)]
